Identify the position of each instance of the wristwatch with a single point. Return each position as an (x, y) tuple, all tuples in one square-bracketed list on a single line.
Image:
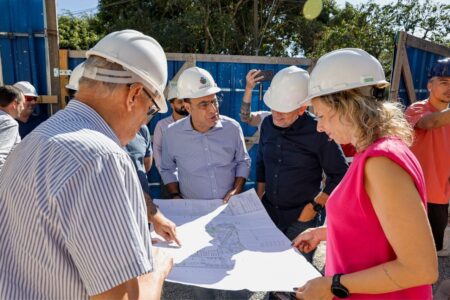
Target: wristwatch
[(316, 206), (338, 289)]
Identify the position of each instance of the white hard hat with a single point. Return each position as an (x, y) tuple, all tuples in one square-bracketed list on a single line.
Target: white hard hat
[(288, 89), (75, 77), (142, 57), (26, 88), (172, 94), (195, 83), (345, 69)]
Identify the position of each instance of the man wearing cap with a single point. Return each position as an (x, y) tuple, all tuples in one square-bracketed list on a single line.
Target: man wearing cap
[(178, 112), (73, 216), (203, 155), (431, 121), (11, 105), (29, 119), (292, 157)]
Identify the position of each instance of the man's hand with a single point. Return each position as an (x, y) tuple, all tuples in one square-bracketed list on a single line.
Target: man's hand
[(252, 79), (308, 213), (164, 227), (230, 194)]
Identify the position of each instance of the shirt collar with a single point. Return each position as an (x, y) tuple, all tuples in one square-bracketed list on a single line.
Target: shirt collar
[(187, 125), (90, 114)]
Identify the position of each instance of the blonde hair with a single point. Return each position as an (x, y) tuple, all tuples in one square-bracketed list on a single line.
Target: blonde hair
[(373, 118)]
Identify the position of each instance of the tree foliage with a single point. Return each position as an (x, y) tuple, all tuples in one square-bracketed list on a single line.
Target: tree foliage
[(228, 26), (78, 33)]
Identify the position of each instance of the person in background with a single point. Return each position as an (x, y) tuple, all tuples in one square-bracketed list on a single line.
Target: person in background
[(140, 152), (252, 118), (72, 86), (11, 105), (376, 216), (178, 112), (73, 216), (430, 119), (29, 119), (292, 156)]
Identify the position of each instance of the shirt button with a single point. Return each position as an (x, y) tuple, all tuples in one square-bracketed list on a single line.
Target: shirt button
[(278, 146), (279, 160), (206, 149), (276, 175), (276, 207)]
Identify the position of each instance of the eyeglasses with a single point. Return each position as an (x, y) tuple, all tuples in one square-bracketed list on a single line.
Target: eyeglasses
[(205, 104), (30, 98), (154, 109)]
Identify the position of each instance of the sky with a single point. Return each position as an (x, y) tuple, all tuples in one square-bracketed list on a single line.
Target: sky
[(86, 6)]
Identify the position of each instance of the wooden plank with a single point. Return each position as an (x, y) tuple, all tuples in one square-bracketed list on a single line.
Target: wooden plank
[(63, 79), (397, 71), (51, 22), (407, 78), (223, 58), (428, 46), (46, 99)]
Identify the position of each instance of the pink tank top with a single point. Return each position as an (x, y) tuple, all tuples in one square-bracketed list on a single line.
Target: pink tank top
[(355, 238)]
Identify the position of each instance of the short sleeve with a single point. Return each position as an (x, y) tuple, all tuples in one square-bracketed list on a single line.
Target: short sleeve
[(103, 219), (416, 112)]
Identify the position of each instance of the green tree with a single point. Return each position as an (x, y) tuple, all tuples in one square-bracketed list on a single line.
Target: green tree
[(373, 27), (218, 26), (78, 33)]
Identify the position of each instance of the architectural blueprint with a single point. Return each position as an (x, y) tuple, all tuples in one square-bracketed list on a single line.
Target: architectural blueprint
[(232, 246)]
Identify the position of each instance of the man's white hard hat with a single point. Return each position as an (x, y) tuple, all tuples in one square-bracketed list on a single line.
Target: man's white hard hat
[(75, 77), (196, 82), (27, 88), (345, 69), (141, 56), (172, 87), (288, 89)]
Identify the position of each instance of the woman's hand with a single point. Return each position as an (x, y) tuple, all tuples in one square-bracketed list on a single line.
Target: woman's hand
[(317, 289), (309, 239)]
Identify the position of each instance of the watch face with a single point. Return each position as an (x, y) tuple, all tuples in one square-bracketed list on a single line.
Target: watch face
[(339, 292)]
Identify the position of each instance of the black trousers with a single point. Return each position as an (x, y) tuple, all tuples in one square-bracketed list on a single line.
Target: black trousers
[(438, 218)]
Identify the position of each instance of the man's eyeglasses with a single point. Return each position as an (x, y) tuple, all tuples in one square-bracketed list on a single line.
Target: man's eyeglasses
[(205, 104), (30, 98), (154, 109)]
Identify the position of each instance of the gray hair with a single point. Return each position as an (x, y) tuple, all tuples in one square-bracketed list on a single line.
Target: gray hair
[(93, 62)]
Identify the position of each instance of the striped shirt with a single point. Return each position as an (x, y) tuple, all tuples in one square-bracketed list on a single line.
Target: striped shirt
[(205, 164), (72, 215), (9, 135)]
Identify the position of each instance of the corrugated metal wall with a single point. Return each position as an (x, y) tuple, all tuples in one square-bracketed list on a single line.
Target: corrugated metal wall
[(421, 55), (23, 43), (230, 77)]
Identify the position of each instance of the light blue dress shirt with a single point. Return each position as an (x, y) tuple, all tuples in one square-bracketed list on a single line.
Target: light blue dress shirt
[(73, 221), (207, 163)]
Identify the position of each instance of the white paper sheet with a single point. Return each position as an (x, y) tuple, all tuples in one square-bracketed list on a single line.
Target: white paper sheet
[(232, 247)]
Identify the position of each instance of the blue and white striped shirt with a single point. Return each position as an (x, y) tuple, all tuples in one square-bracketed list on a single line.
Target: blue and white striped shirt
[(72, 215), (204, 164)]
